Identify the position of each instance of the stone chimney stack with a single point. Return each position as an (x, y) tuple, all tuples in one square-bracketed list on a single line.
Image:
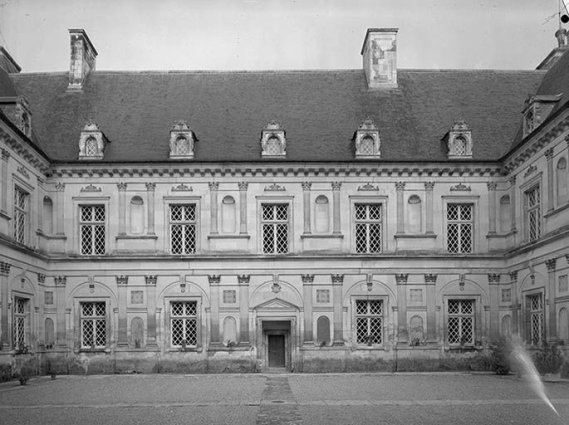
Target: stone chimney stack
[(380, 57), (83, 55)]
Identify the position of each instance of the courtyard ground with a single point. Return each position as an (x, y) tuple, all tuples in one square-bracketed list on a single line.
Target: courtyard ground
[(262, 399)]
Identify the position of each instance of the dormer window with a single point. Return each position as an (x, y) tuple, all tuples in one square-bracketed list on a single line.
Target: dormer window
[(536, 110), (273, 140), (459, 142), (182, 140), (366, 140), (23, 116), (92, 142)]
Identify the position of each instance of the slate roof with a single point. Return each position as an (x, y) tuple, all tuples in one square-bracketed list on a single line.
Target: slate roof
[(320, 111)]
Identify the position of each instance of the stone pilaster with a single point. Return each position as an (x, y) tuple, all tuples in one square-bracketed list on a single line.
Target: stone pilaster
[(492, 207), (214, 289), (4, 182), (494, 284), (61, 325), (550, 296), (550, 180), (514, 301), (243, 186), (336, 201), (337, 286), (306, 199), (60, 189), (400, 187), (150, 189), (151, 309), (122, 208), (513, 204), (213, 188), (122, 282), (429, 186), (244, 331), (402, 333), (308, 287), (430, 297), (4, 293)]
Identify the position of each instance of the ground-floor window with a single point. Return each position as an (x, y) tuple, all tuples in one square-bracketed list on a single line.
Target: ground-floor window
[(93, 324), (535, 311), (184, 323), (20, 319), (460, 321), (369, 322)]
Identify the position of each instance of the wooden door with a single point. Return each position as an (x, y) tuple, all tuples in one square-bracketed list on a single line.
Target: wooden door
[(276, 351)]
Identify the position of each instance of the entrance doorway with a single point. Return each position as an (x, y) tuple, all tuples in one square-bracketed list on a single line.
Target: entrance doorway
[(276, 350)]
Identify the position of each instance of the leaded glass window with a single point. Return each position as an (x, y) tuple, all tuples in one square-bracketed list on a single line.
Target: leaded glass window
[(460, 228), (184, 323), (20, 215), (275, 225), (533, 213), (93, 324), (183, 229), (460, 321), (19, 324), (92, 229), (369, 322), (368, 228), (536, 326)]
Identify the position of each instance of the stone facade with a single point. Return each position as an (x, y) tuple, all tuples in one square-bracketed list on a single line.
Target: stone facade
[(311, 266)]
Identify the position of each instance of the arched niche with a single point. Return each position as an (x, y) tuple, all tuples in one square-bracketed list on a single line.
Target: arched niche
[(323, 330)]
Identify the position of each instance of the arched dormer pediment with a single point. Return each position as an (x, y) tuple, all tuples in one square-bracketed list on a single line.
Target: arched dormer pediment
[(273, 140), (182, 141), (92, 142), (459, 141), (366, 140)]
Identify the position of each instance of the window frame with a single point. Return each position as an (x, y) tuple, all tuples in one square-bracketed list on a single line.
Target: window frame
[(383, 316), (21, 237), (461, 316), (168, 318), (275, 200), (462, 200), (25, 316), (368, 200), (80, 201), (531, 313), (170, 201), (79, 322), (530, 185), (93, 224)]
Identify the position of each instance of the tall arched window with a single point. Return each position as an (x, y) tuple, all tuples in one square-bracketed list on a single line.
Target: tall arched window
[(228, 215), (136, 215), (47, 225), (562, 192), (322, 215), (414, 215), (505, 217)]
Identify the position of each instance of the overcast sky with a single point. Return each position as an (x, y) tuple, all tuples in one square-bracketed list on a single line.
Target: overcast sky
[(278, 34)]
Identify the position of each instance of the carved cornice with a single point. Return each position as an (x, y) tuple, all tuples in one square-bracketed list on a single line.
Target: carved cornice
[(41, 278), (246, 170), (306, 185), (530, 149), (60, 280), (122, 280), (214, 279), (151, 280), (28, 155), (243, 186), (549, 154), (307, 278)]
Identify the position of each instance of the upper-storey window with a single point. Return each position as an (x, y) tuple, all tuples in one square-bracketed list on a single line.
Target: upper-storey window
[(366, 140), (460, 228), (182, 141), (275, 228), (273, 140), (533, 213), (561, 177), (21, 202), (368, 228), (92, 229), (459, 142), (183, 229)]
